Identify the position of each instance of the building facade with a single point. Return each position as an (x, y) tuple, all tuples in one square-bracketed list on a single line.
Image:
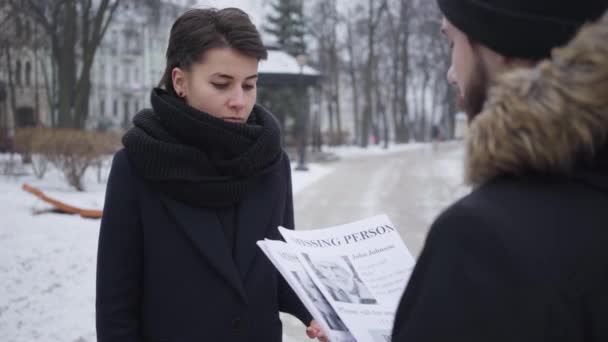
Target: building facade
[(129, 62)]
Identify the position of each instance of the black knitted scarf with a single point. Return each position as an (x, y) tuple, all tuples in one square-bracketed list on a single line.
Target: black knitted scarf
[(198, 159)]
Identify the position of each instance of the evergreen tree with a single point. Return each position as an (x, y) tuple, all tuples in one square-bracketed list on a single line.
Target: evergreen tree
[(287, 25)]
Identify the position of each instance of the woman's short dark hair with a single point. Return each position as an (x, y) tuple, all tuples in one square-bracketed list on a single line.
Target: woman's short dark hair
[(198, 30)]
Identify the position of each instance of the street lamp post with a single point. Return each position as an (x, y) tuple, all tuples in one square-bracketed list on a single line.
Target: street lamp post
[(301, 59)]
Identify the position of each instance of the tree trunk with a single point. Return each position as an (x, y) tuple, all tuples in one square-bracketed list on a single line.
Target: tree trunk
[(81, 106), (48, 80), (399, 58), (367, 113), (12, 89), (36, 86), (330, 112), (336, 91), (373, 20), (353, 79), (404, 121), (65, 56)]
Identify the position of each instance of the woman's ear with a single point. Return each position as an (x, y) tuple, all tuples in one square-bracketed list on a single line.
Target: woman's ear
[(180, 84)]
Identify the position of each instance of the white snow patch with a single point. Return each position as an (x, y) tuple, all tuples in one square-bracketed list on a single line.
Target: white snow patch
[(303, 179), (48, 261), (372, 150), (280, 62)]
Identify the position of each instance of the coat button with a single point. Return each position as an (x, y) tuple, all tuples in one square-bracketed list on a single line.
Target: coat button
[(237, 325)]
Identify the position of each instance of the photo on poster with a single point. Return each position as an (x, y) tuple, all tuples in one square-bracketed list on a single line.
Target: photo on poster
[(312, 291), (340, 279), (380, 335)]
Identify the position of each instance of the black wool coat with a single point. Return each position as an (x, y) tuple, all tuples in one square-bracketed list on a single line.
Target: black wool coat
[(165, 271)]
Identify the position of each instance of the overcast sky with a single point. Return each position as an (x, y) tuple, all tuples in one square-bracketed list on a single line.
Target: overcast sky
[(255, 8)]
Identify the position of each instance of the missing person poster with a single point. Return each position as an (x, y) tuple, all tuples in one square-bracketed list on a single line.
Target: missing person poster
[(358, 270)]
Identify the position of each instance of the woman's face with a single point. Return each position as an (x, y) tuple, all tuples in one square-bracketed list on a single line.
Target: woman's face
[(222, 85)]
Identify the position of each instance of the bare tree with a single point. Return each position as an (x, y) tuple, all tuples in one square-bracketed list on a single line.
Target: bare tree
[(10, 40), (395, 60), (399, 32), (323, 27), (75, 29), (375, 13), (429, 57), (354, 79)]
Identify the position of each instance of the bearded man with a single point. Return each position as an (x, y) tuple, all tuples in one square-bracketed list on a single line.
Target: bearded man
[(524, 256)]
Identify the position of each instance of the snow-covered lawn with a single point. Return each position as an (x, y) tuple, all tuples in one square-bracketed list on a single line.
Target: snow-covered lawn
[(47, 261)]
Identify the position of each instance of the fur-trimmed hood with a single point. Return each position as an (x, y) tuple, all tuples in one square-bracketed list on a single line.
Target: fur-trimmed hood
[(550, 119)]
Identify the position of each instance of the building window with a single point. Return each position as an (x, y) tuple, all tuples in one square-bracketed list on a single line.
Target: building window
[(18, 73), (18, 27), (28, 31), (126, 119), (136, 74), (115, 74), (136, 106), (114, 42), (126, 39), (126, 108), (115, 108), (102, 108), (102, 73), (28, 73)]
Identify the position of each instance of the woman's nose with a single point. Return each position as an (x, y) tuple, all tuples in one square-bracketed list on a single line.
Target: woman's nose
[(237, 99)]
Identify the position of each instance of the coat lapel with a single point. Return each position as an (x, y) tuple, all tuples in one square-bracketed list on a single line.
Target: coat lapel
[(202, 226), (255, 217)]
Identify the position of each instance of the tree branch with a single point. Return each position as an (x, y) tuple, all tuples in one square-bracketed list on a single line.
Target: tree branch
[(35, 12)]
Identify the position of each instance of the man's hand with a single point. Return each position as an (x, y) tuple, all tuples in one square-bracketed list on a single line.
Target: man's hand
[(314, 331)]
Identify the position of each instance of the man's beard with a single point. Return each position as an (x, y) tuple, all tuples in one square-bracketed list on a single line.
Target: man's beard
[(475, 91)]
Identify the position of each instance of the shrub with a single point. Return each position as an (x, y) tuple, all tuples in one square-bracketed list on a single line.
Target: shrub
[(71, 151)]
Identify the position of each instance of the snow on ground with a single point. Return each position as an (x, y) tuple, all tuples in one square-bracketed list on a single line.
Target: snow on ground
[(48, 261), (303, 179), (353, 151)]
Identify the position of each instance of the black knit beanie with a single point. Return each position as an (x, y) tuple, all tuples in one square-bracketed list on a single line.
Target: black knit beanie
[(521, 28)]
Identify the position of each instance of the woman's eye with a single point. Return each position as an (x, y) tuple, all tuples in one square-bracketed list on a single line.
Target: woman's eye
[(220, 85), (248, 86)]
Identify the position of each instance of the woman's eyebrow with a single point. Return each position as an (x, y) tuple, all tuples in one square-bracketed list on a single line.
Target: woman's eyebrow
[(218, 74)]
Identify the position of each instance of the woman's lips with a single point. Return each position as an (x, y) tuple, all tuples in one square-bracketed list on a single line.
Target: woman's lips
[(234, 120)]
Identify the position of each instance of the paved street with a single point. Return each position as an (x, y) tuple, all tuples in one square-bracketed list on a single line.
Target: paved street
[(411, 187)]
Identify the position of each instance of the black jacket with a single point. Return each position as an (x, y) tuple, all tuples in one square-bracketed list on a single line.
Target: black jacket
[(524, 257), (518, 260), (165, 271)]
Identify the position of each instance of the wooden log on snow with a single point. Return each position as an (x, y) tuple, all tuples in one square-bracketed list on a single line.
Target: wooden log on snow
[(61, 206)]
